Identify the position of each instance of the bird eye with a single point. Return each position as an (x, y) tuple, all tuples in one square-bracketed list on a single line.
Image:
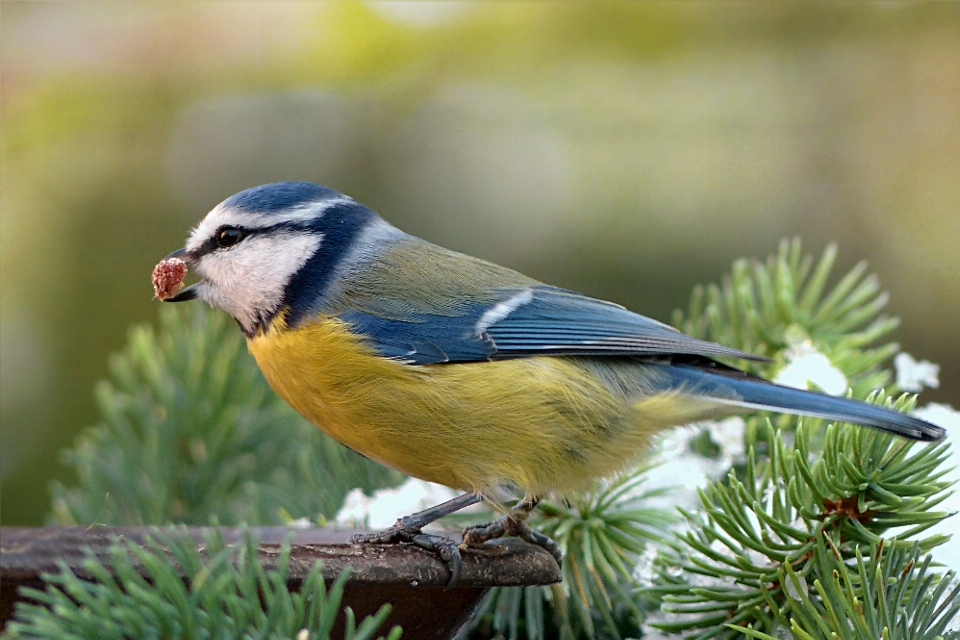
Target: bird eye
[(229, 236)]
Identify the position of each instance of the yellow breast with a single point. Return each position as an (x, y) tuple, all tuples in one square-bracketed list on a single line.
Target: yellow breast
[(540, 424)]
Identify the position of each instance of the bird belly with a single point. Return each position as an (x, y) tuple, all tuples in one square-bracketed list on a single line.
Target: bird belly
[(541, 424)]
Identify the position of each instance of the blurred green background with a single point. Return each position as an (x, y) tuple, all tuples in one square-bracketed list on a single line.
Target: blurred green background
[(627, 150)]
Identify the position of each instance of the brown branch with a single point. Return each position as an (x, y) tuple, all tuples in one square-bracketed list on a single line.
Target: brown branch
[(408, 577)]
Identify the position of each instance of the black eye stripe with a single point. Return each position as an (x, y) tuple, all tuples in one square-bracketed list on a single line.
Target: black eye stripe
[(213, 244)]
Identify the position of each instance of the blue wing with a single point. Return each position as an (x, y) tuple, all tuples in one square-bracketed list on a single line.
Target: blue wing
[(521, 322)]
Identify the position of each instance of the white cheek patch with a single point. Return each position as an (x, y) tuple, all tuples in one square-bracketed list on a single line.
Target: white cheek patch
[(248, 280), (223, 216)]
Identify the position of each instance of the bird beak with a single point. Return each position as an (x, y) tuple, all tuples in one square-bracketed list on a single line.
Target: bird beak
[(180, 254), (189, 293)]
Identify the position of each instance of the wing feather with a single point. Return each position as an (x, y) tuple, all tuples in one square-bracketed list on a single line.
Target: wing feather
[(520, 322)]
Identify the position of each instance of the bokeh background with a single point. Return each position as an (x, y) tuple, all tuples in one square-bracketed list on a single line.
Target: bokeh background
[(628, 150)]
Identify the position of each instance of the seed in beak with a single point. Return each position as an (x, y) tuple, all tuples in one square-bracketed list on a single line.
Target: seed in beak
[(168, 278)]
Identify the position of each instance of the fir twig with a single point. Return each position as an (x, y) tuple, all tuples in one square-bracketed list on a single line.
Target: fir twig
[(766, 307), (892, 594), (863, 485)]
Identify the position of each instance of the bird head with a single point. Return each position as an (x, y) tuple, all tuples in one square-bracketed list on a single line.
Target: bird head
[(269, 246)]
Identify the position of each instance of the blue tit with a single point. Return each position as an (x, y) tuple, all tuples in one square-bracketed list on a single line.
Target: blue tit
[(459, 371)]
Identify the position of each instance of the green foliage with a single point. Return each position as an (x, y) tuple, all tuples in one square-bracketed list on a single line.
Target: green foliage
[(725, 568), (601, 534), (850, 484), (767, 307), (140, 593), (853, 602), (191, 431)]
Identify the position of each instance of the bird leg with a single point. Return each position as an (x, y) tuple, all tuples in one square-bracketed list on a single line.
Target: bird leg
[(515, 524), (409, 529)]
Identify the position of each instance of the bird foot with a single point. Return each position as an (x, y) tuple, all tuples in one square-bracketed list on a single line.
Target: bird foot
[(513, 524), (406, 532)]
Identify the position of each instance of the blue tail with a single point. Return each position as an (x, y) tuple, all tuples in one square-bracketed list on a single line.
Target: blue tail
[(738, 389)]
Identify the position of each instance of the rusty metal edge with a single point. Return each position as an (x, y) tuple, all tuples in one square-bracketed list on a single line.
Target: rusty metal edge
[(26, 553), (412, 579)]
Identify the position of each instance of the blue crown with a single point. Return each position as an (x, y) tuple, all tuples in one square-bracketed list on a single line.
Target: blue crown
[(278, 196)]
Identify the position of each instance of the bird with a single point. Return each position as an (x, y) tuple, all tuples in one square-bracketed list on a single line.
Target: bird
[(459, 371)]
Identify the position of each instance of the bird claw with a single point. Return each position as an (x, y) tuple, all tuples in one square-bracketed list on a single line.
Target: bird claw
[(403, 531), (390, 535), (512, 525)]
